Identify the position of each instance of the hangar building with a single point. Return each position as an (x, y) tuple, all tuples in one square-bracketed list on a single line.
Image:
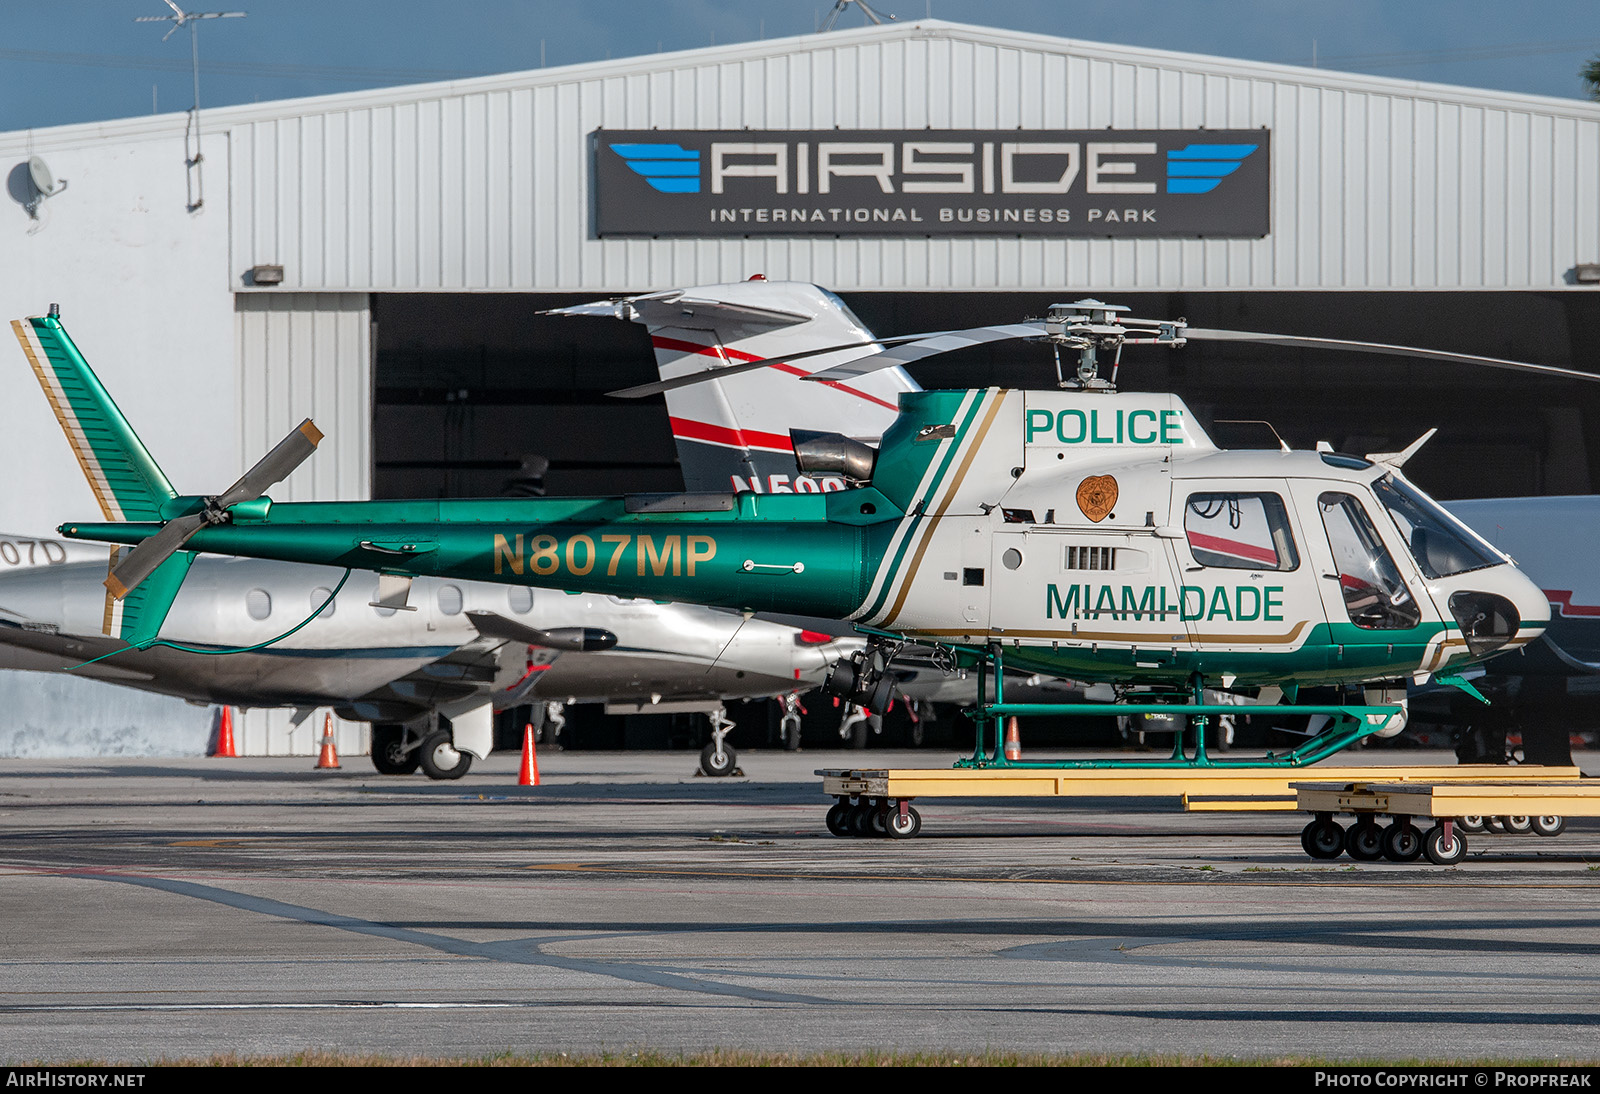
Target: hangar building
[(377, 259)]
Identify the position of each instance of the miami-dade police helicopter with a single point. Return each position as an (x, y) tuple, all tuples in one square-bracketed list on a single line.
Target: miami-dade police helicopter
[(1081, 532)]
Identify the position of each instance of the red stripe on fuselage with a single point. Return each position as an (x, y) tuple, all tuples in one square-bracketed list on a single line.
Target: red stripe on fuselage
[(731, 355)]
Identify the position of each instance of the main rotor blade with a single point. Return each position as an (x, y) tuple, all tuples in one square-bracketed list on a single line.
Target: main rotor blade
[(275, 466), (676, 382), (142, 561), (927, 345), (1201, 334)]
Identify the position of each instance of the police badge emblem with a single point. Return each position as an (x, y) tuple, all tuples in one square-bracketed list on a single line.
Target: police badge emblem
[(1096, 495)]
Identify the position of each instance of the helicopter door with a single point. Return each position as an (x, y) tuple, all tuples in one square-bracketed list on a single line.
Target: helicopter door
[(1245, 586), (1378, 620), (1111, 592)]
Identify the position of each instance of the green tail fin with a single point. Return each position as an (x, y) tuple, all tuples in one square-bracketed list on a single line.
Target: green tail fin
[(137, 617), (125, 479)]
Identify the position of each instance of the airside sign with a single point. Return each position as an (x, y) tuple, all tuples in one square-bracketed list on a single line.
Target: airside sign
[(1143, 183)]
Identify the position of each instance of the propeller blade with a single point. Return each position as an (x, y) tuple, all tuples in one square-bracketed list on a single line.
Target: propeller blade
[(1200, 334), (927, 345), (275, 466), (676, 382), (142, 561)]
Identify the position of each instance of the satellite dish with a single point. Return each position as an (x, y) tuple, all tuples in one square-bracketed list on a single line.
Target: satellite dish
[(44, 180)]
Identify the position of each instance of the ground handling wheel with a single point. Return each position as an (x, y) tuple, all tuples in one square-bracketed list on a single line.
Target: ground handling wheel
[(1364, 840), (904, 825), (1442, 851), (1402, 842), (861, 819), (1518, 826), (839, 818), (1323, 838), (1470, 824), (1549, 826)]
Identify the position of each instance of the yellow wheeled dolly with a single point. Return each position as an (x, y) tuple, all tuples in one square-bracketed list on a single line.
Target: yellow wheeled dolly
[(1540, 804), (877, 801)]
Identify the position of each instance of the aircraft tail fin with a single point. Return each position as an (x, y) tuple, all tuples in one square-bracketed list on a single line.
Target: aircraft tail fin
[(122, 474), (733, 433), (137, 617)]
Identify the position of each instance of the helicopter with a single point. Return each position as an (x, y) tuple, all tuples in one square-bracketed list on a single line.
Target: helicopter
[(1081, 532)]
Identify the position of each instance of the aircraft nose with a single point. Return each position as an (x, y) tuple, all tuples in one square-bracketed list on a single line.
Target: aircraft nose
[(1490, 620)]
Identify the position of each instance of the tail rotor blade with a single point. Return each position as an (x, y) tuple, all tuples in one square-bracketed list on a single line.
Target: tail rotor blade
[(143, 560), (1201, 334), (275, 466)]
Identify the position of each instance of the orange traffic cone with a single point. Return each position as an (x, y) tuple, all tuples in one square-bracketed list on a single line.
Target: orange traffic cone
[(330, 755), (225, 746), (1013, 740), (530, 759)]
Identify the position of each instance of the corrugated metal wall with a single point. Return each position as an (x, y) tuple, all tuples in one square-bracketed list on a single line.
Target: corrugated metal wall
[(308, 355), (1376, 184)]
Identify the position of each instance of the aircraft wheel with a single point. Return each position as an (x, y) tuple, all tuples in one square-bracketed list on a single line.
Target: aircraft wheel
[(1441, 851), (789, 728), (1402, 842), (1495, 824), (1470, 824), (439, 757), (1549, 826), (718, 765), (1519, 826), (1364, 841), (389, 754), (1323, 838), (903, 825), (839, 818)]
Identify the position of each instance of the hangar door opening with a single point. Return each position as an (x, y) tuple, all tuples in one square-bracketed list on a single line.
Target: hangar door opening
[(477, 395)]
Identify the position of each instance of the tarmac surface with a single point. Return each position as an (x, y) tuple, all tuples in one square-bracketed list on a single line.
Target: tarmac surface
[(176, 909)]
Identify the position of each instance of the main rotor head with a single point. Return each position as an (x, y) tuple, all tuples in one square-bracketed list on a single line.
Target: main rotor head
[(1092, 326)]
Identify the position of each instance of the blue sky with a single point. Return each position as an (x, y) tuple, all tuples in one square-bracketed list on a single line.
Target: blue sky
[(64, 61)]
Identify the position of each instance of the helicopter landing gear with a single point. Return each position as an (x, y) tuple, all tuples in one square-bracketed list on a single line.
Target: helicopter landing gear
[(857, 725), (717, 759), (891, 818)]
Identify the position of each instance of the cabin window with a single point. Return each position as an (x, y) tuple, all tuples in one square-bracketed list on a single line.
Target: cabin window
[(449, 600), (1239, 532), (1374, 595), (319, 597), (258, 603), (1442, 545), (520, 597)]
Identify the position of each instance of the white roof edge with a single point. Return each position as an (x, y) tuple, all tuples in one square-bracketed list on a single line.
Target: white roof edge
[(222, 116)]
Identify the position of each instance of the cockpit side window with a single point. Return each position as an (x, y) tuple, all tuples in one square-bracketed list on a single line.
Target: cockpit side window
[(1439, 543), (1239, 532), (1374, 594)]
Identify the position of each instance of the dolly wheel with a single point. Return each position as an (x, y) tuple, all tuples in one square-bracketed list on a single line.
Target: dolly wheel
[(1402, 842), (1323, 838), (904, 825), (1442, 851), (1364, 841), (839, 818), (1549, 826)]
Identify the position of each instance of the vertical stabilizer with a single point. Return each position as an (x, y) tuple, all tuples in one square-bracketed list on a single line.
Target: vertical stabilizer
[(734, 433), (122, 474), (125, 479)]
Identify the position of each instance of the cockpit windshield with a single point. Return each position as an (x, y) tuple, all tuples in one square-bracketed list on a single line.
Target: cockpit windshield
[(1441, 545)]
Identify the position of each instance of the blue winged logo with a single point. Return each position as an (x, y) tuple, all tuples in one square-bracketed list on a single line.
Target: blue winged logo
[(668, 168), (1198, 168)]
